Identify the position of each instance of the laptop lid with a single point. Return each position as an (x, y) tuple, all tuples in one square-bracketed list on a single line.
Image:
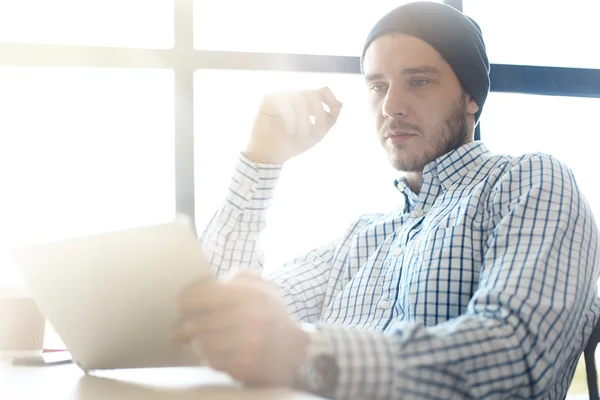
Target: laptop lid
[(112, 297)]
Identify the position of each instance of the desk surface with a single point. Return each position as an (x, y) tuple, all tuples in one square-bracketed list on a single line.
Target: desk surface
[(68, 382)]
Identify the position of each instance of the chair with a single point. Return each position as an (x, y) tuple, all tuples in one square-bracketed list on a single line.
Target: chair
[(590, 362)]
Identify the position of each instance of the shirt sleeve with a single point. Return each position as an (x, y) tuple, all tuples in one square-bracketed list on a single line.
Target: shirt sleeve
[(525, 326), (230, 241)]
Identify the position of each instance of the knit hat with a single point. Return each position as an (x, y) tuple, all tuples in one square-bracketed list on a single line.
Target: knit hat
[(454, 35)]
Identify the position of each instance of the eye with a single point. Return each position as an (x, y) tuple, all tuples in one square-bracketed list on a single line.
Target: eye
[(419, 82), (378, 87)]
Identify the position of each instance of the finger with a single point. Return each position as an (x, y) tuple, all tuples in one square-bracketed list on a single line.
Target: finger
[(244, 275), (207, 296), (330, 121), (251, 287), (216, 342), (329, 99), (321, 117), (200, 324), (220, 361)]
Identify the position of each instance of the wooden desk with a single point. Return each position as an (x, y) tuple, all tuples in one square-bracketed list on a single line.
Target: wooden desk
[(68, 382)]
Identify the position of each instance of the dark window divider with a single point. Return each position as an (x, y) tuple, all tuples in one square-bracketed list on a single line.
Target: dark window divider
[(549, 81)]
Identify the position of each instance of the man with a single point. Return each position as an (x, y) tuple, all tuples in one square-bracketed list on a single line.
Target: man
[(482, 285)]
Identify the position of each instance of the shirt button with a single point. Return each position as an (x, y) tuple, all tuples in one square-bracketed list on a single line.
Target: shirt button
[(419, 212), (385, 304), (398, 252)]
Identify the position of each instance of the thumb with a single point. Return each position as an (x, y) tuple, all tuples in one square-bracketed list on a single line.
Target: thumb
[(243, 275)]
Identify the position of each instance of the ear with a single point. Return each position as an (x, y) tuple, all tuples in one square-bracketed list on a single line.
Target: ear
[(472, 106)]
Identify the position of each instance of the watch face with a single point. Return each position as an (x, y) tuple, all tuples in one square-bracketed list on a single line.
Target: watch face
[(323, 375)]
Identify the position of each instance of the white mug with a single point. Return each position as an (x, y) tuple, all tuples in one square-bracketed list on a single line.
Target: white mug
[(22, 325)]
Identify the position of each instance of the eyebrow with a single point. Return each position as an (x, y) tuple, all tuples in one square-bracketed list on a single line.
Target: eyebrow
[(423, 69)]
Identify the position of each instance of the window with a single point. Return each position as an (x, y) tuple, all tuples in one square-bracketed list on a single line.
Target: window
[(333, 27), (539, 32), (345, 175), (123, 23), (565, 127), (83, 151)]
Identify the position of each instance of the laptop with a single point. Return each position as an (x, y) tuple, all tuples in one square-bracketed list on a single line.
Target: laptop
[(112, 297)]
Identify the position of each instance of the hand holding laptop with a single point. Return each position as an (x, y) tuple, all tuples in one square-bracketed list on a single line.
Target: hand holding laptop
[(243, 328)]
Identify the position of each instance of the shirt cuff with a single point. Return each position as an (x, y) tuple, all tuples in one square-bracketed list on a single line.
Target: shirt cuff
[(365, 362), (252, 185)]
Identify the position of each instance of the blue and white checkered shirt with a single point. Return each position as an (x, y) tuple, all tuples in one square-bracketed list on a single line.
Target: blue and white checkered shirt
[(481, 286)]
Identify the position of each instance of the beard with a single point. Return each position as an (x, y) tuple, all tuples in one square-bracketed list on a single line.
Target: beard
[(453, 135)]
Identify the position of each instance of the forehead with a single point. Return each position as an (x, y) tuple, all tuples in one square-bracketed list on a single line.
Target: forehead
[(396, 51)]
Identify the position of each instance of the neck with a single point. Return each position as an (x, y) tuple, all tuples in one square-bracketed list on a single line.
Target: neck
[(414, 180)]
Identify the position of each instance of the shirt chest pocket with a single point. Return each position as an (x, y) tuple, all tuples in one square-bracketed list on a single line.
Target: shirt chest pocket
[(443, 276)]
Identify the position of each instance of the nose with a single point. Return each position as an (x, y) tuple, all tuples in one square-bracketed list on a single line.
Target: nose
[(394, 103)]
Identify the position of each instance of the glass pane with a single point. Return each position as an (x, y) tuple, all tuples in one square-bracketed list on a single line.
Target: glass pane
[(83, 151), (345, 175), (119, 23), (539, 32), (565, 127), (334, 27)]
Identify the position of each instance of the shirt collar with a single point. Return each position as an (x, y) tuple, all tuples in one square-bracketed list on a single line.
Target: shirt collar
[(453, 166), (442, 173)]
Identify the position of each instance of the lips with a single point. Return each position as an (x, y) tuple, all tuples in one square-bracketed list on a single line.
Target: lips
[(400, 133), (397, 137)]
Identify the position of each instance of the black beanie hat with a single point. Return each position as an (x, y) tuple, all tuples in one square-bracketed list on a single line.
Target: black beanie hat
[(454, 35)]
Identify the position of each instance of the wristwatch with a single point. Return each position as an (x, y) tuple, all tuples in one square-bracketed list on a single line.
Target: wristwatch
[(319, 372)]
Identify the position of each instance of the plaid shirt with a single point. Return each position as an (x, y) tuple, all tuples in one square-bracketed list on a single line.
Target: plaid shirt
[(483, 285)]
